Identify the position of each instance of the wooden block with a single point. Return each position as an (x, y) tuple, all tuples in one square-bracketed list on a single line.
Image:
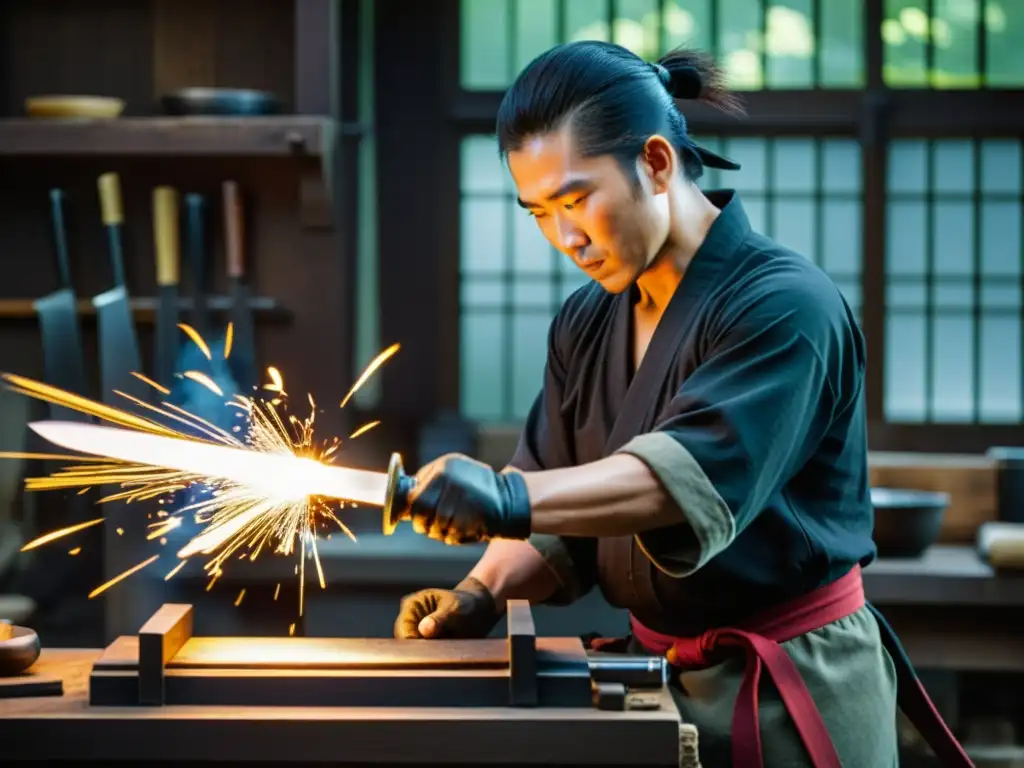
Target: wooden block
[(522, 654), (28, 684), (122, 654), (159, 640), (971, 481)]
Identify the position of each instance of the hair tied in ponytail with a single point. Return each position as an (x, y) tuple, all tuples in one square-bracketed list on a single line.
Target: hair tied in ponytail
[(681, 83), (686, 83)]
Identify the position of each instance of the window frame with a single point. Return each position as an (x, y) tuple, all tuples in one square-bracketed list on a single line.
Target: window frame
[(874, 115)]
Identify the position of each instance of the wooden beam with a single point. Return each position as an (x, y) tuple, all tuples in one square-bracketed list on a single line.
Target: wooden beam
[(416, 287), (943, 438), (277, 136), (914, 112), (316, 55)]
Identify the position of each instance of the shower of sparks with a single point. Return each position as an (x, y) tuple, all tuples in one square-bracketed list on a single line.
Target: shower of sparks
[(236, 521)]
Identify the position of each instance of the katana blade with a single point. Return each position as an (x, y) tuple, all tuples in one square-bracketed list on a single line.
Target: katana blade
[(279, 475)]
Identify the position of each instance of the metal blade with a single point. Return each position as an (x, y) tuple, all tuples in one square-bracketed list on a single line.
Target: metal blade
[(278, 475)]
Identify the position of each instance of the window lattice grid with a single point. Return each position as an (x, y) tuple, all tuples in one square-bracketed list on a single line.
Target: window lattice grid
[(954, 282), (760, 43)]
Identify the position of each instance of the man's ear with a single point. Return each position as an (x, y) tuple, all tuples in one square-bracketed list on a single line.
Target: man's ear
[(658, 163)]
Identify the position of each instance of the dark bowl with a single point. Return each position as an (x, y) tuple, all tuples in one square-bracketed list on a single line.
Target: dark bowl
[(220, 101), (907, 522), (19, 651)]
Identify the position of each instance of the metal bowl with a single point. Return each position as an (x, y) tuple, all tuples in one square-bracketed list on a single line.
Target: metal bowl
[(907, 521), (220, 101), (19, 649)]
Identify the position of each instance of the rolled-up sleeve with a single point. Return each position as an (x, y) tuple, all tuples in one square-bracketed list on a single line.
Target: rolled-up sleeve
[(739, 427)]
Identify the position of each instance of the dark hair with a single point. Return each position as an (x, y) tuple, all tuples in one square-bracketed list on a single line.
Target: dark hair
[(614, 101)]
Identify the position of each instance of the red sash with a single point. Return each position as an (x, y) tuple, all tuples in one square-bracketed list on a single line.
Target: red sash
[(759, 640)]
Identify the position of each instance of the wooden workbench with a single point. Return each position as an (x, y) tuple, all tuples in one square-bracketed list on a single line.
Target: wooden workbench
[(951, 610), (67, 729)]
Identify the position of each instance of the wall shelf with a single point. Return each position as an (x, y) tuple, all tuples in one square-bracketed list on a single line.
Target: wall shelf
[(309, 136), (144, 308)]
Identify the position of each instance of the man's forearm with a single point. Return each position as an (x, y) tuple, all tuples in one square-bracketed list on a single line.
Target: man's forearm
[(616, 496), (514, 570)]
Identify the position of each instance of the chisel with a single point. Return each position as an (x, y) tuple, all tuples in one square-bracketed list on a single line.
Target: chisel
[(58, 321), (119, 346)]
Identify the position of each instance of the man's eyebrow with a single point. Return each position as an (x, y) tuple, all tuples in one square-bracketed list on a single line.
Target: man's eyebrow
[(575, 185)]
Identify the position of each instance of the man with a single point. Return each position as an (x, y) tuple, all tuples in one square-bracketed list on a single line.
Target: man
[(699, 447)]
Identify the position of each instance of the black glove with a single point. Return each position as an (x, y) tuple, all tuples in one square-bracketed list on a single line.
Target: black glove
[(458, 500), (468, 611)]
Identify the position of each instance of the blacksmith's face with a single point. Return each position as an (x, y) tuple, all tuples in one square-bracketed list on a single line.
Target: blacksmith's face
[(611, 224)]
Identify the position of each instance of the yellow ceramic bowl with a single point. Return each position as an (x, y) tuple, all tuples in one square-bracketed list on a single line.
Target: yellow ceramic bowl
[(73, 106)]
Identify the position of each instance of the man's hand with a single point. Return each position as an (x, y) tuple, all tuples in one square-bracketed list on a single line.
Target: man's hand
[(458, 501), (468, 611)]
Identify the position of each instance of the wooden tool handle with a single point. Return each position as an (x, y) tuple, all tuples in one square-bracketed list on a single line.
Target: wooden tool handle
[(166, 237), (110, 199), (233, 229)]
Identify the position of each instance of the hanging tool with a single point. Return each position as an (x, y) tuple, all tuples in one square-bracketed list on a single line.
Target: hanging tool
[(119, 346), (242, 357), (167, 244), (58, 320)]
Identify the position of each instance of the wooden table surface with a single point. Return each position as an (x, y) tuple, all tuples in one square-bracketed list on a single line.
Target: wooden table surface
[(943, 575), (66, 728)]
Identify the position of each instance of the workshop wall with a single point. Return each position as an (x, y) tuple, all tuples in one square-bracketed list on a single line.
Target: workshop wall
[(300, 240)]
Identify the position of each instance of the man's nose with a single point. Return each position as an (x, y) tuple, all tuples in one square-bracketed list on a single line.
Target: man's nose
[(571, 237)]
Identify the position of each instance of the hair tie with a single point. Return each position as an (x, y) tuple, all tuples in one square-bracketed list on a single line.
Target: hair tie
[(663, 75)]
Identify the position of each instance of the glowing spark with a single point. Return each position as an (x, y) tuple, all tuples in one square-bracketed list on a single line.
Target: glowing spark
[(291, 630), (74, 551), (238, 600), (376, 363), (206, 381), (276, 382), (193, 334), (50, 394), (277, 591), (175, 569), (229, 337), (163, 527), (135, 568), (146, 380), (363, 429), (46, 538), (43, 456)]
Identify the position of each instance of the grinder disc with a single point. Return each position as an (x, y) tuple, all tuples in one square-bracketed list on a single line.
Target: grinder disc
[(392, 511)]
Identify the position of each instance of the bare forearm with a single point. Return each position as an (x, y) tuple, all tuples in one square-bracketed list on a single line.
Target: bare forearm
[(616, 496), (514, 570)]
